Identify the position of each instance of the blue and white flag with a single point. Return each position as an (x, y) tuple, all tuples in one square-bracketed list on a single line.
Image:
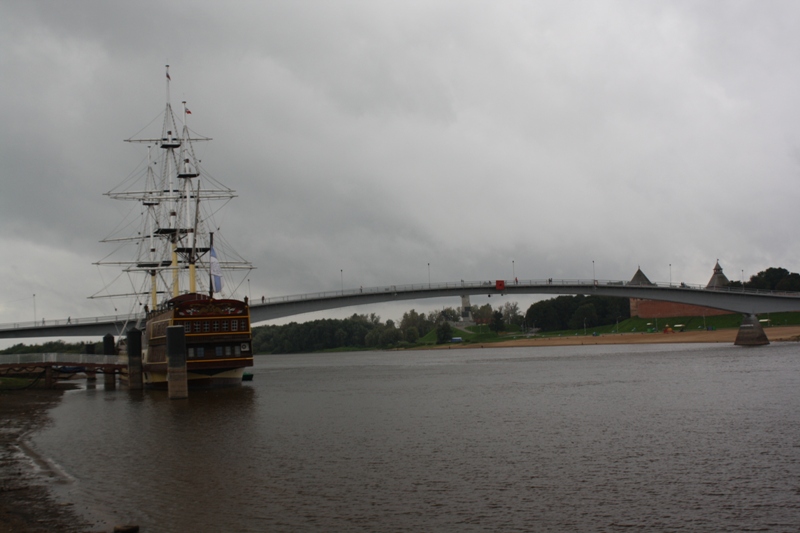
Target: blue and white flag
[(216, 271)]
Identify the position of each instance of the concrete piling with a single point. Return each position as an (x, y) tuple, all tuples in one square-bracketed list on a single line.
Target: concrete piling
[(134, 359), (751, 333), (177, 378), (109, 349), (91, 376)]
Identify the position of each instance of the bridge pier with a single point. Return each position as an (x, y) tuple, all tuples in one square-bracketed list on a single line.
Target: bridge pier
[(91, 376), (135, 359), (109, 349), (177, 377), (751, 333)]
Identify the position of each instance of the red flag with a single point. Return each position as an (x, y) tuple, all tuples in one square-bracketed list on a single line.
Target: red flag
[(188, 112), (170, 79)]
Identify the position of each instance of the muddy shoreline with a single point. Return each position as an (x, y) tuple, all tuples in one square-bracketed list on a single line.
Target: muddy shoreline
[(26, 502)]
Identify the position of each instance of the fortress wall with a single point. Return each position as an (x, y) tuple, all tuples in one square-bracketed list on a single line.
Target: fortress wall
[(656, 309)]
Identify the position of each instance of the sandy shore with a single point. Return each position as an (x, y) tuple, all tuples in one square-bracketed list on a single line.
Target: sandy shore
[(775, 334)]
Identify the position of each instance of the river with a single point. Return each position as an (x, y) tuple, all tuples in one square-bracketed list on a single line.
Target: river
[(582, 438)]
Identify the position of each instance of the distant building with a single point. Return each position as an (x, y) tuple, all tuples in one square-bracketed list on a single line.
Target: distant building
[(655, 309)]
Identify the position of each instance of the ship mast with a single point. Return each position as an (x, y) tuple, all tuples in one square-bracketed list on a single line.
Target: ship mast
[(174, 236)]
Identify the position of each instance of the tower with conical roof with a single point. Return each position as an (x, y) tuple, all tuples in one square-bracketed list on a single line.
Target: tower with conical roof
[(718, 279), (639, 278)]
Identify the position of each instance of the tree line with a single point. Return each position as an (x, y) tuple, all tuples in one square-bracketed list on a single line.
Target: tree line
[(576, 312), (772, 279)]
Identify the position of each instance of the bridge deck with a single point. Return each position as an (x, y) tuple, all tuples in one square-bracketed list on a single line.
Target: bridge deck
[(733, 299)]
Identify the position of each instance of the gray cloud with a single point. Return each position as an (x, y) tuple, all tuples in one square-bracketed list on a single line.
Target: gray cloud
[(373, 138)]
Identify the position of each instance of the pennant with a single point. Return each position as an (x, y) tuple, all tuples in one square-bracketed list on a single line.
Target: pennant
[(216, 271), (188, 112)]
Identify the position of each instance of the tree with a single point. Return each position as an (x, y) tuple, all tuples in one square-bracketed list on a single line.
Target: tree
[(448, 313), (767, 279), (510, 312), (341, 337), (584, 316), (482, 314), (411, 334), (497, 324), (443, 333), (389, 337), (789, 283)]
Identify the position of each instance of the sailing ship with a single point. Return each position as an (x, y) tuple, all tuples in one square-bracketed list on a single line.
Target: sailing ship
[(178, 274)]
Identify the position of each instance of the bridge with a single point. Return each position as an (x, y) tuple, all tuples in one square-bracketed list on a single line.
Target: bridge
[(748, 302)]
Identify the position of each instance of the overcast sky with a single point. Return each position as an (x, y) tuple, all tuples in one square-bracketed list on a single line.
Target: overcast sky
[(367, 139)]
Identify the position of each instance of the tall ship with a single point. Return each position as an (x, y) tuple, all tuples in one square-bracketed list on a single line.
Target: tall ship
[(175, 269)]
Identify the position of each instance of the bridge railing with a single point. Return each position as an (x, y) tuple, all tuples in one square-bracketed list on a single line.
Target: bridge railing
[(345, 293), (509, 284), (76, 359), (69, 321)]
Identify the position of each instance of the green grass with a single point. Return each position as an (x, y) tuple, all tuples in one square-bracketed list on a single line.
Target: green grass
[(688, 323)]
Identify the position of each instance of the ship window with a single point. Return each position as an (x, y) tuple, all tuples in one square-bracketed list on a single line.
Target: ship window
[(206, 326), (234, 325), (224, 325), (236, 350), (227, 350), (244, 325), (197, 326), (201, 351), (190, 352), (187, 327), (216, 325), (219, 351)]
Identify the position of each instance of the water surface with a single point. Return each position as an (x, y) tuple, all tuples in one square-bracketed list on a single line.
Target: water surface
[(584, 438)]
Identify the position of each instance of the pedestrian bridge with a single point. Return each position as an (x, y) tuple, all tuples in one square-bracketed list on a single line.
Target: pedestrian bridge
[(735, 300)]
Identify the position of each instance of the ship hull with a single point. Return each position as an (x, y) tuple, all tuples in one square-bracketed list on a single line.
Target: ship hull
[(217, 336), (200, 379)]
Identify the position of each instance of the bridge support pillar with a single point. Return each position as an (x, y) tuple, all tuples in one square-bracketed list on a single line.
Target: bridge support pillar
[(751, 333), (90, 375), (134, 359), (109, 349), (177, 378), (49, 377)]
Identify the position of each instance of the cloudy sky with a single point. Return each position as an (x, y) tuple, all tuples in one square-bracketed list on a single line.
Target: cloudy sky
[(367, 139)]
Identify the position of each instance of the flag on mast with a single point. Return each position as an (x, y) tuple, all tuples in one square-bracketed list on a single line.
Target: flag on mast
[(216, 271)]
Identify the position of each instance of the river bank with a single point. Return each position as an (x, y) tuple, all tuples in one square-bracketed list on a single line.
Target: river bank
[(775, 334), (26, 505)]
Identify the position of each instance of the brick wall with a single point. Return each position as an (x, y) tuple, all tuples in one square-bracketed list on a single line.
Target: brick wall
[(656, 309)]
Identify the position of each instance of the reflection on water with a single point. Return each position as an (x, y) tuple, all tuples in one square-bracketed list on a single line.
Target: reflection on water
[(539, 439)]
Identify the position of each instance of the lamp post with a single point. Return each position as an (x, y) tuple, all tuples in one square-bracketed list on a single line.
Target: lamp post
[(429, 275), (249, 294), (594, 277), (670, 274), (513, 270), (341, 279), (34, 309)]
